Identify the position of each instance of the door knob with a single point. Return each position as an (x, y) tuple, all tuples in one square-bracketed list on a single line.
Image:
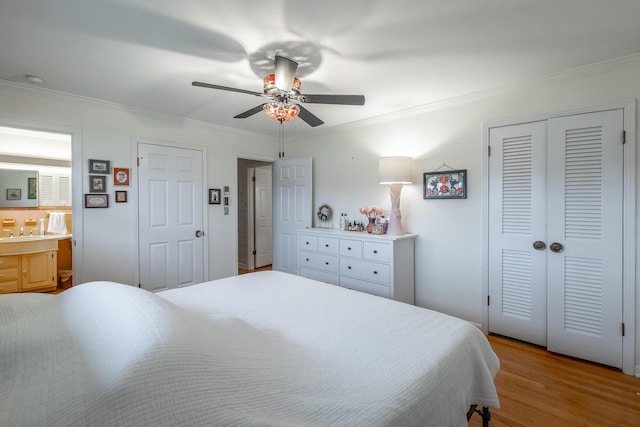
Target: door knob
[(539, 245), (199, 233), (556, 247)]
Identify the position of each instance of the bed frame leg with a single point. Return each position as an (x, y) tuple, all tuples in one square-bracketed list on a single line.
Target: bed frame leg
[(485, 414)]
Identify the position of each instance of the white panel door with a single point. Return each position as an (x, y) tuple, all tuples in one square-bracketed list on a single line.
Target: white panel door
[(263, 214), (292, 190), (585, 222), (171, 247), (517, 197)]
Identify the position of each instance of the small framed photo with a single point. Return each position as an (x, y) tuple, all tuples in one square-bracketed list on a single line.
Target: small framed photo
[(450, 184), (99, 166), (121, 176), (96, 200), (214, 196), (226, 190), (226, 201), (32, 188), (121, 197), (97, 183), (14, 194)]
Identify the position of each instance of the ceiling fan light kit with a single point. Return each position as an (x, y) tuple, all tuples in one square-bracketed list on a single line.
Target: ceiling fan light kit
[(282, 87)]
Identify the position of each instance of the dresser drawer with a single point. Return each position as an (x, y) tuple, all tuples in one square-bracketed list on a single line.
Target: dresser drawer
[(368, 287), (9, 286), (8, 274), (319, 261), (8, 261), (365, 270), (351, 248), (328, 245), (376, 251), (323, 276), (308, 242)]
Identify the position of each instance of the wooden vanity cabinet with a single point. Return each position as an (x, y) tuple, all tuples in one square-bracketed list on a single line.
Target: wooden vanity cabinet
[(28, 266)]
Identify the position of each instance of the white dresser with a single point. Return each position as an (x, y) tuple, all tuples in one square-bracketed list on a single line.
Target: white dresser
[(379, 265)]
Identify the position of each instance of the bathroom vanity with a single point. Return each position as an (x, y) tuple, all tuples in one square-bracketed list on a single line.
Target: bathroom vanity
[(29, 264)]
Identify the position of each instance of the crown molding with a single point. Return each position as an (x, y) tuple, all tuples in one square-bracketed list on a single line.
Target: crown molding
[(55, 94)]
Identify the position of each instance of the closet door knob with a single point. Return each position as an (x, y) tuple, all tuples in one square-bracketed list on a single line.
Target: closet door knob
[(556, 247), (539, 246)]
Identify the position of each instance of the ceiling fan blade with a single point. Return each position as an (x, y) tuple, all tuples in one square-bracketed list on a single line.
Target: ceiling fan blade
[(250, 112), (230, 89), (332, 99), (309, 117), (285, 72)]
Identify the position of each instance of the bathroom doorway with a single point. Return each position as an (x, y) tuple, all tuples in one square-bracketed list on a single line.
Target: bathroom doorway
[(49, 150)]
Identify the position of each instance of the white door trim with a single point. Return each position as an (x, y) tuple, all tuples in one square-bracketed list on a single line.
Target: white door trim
[(629, 221), (133, 198), (77, 178)]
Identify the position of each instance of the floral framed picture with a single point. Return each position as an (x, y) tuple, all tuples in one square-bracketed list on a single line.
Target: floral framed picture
[(450, 184), (121, 197), (121, 176), (97, 184)]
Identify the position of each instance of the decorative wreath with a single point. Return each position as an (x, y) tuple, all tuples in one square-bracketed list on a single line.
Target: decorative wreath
[(325, 213)]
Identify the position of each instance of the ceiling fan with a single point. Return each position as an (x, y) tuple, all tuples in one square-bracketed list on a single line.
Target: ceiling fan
[(283, 91)]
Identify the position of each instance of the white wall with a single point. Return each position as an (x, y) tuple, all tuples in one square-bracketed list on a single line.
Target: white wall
[(449, 247), (108, 132)]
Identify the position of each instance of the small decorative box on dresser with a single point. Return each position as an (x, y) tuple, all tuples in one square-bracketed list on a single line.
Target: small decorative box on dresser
[(376, 264)]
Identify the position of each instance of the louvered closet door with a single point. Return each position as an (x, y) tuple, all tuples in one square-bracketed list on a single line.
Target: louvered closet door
[(517, 218), (585, 217), (555, 234)]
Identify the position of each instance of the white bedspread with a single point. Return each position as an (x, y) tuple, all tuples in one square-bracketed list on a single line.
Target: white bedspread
[(261, 349)]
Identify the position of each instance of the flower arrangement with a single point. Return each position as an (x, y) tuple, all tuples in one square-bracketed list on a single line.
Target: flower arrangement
[(371, 211)]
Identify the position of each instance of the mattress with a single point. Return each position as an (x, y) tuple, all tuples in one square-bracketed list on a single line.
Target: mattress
[(254, 350)]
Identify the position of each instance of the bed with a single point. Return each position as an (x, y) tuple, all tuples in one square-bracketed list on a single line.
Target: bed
[(265, 348)]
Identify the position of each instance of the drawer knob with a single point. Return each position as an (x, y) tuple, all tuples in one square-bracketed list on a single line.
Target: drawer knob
[(349, 267), (349, 248), (375, 252), (375, 272), (306, 243), (326, 263), (307, 259), (326, 245)]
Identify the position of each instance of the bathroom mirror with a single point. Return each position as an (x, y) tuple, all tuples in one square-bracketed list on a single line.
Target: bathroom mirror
[(18, 188)]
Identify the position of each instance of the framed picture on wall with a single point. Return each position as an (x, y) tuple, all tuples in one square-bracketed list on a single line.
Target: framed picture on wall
[(97, 183), (99, 166), (14, 194), (451, 184), (96, 200), (121, 176), (121, 197), (214, 196)]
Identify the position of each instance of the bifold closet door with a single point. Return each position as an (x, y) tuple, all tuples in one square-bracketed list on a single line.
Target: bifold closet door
[(517, 219), (555, 234), (585, 186)]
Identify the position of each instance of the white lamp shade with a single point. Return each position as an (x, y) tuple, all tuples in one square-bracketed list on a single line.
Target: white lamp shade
[(395, 170)]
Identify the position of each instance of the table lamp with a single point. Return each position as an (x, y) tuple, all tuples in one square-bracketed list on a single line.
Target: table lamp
[(395, 171)]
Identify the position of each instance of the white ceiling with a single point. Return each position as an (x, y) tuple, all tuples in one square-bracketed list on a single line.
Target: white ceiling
[(400, 54)]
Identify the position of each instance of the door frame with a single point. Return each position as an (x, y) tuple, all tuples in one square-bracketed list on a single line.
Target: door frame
[(628, 221), (77, 203), (134, 199)]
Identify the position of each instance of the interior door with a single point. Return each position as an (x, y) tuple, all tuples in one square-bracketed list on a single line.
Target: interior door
[(292, 191), (171, 197), (555, 234), (263, 216)]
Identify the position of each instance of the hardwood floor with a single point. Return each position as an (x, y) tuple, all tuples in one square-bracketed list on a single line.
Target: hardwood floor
[(266, 267), (539, 388)]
